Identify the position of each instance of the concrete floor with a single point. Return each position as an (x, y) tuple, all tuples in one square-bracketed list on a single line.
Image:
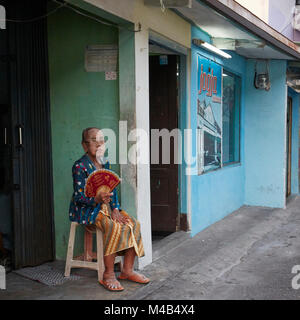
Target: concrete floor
[(247, 255)]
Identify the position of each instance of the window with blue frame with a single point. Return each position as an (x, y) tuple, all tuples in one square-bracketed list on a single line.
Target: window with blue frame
[(231, 97)]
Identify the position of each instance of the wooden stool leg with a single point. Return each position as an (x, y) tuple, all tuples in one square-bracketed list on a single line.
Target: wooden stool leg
[(100, 261), (88, 246), (70, 249)]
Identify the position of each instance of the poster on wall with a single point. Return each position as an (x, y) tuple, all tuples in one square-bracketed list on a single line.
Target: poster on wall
[(209, 115)]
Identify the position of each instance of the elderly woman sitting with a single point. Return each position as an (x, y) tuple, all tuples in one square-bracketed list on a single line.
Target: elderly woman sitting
[(121, 232)]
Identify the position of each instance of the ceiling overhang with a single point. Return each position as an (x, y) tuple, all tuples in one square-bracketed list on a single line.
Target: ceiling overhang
[(232, 27)]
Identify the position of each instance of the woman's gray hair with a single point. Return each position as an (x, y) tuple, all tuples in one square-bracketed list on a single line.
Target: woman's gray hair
[(85, 133)]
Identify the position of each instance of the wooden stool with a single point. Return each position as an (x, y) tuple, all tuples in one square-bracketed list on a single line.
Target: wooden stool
[(85, 260)]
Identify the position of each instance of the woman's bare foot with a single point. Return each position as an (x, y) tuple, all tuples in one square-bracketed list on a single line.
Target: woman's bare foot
[(110, 282), (133, 276)]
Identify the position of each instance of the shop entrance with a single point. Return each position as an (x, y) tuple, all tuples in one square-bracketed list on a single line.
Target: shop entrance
[(26, 219), (288, 146), (164, 75)]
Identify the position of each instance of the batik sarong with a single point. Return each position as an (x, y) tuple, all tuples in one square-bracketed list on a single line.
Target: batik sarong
[(118, 237)]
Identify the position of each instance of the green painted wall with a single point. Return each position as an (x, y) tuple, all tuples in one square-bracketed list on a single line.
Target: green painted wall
[(78, 100)]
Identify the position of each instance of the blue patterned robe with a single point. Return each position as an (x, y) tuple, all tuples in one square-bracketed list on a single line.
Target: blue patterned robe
[(82, 209)]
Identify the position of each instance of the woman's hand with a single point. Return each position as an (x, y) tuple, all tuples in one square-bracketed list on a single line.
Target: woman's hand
[(103, 197), (118, 217)]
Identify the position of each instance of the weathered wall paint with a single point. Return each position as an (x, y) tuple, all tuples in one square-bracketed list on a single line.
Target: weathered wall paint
[(167, 23), (265, 125), (78, 100), (134, 108), (142, 113), (217, 193)]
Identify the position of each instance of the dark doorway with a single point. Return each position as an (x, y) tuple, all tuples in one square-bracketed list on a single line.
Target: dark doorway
[(6, 236), (163, 72), (25, 133), (289, 146)]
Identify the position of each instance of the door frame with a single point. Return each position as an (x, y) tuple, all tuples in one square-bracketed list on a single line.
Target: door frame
[(289, 146), (184, 121)]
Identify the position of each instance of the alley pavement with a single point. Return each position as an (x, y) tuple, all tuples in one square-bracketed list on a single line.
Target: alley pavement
[(249, 255)]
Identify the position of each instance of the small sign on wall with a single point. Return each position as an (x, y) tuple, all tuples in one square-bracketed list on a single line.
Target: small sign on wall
[(101, 58), (163, 60), (110, 75)]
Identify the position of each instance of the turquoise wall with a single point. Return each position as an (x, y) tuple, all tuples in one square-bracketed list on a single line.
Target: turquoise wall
[(295, 141), (78, 100), (265, 134), (217, 193), (259, 178)]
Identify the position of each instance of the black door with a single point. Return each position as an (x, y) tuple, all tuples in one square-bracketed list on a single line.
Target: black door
[(164, 115), (29, 135)]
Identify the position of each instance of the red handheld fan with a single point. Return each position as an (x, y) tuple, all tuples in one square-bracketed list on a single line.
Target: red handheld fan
[(101, 180)]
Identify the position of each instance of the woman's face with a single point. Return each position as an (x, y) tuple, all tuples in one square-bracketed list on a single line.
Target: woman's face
[(94, 143)]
